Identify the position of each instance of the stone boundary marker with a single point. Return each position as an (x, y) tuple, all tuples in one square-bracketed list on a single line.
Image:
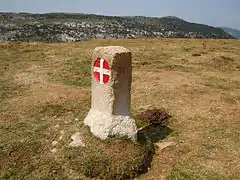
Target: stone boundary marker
[(109, 115)]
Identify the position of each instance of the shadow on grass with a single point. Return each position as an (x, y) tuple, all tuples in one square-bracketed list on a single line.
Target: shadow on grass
[(148, 136), (153, 123), (154, 132)]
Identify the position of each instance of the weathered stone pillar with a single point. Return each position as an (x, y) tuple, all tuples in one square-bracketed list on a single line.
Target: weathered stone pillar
[(111, 85)]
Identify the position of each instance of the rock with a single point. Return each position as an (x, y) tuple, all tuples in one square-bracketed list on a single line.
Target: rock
[(54, 143), (111, 125), (62, 134), (109, 115), (54, 150), (163, 145), (57, 126), (77, 140), (66, 38)]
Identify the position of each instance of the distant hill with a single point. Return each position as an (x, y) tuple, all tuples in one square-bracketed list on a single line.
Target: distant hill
[(233, 32), (58, 27)]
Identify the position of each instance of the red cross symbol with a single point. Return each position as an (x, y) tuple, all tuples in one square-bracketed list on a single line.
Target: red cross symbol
[(101, 70)]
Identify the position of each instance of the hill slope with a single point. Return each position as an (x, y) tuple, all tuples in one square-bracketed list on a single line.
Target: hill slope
[(233, 32), (45, 94), (57, 27)]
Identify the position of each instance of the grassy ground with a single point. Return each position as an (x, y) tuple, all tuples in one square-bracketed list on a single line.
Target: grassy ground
[(44, 96)]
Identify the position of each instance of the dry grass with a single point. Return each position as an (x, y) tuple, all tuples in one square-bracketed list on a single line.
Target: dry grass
[(43, 90)]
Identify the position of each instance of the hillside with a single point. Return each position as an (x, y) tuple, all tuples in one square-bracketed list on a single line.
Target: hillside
[(45, 94), (233, 32), (62, 27)]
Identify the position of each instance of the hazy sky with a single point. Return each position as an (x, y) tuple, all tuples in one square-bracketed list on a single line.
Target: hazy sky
[(211, 12)]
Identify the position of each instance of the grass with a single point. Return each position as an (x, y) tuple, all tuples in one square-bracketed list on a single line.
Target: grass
[(45, 95), (221, 83), (9, 90), (76, 73), (177, 174), (113, 159)]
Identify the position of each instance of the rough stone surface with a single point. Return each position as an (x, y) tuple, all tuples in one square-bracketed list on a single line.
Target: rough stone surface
[(110, 110), (77, 140), (54, 150), (54, 143), (104, 125)]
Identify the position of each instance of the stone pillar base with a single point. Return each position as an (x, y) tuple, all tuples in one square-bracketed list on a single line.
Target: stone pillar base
[(104, 125)]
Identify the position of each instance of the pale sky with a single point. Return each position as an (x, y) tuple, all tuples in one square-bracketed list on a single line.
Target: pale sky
[(211, 12)]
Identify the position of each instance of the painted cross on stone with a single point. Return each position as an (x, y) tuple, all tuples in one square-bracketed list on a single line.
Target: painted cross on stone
[(111, 77), (101, 70)]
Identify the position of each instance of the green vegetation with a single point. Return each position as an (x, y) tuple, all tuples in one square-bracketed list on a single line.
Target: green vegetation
[(76, 73), (112, 159), (177, 174)]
